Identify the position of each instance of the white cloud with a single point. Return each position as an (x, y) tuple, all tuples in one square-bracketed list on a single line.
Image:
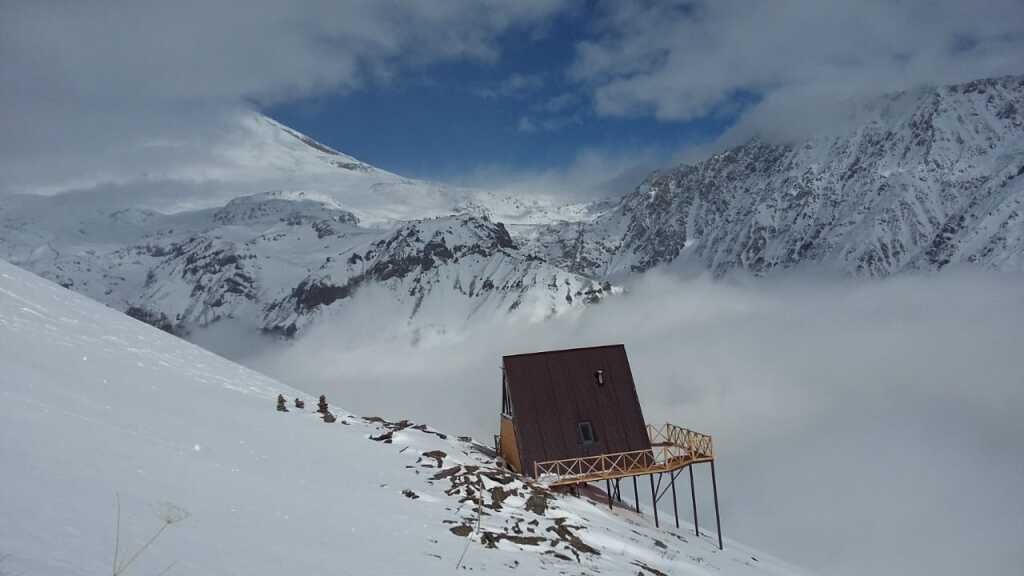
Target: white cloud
[(593, 173), (553, 114), (515, 86), (682, 60), (558, 103), (526, 124), (548, 123), (82, 83)]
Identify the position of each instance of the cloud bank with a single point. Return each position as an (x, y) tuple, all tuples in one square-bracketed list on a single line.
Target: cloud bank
[(862, 428), (593, 174)]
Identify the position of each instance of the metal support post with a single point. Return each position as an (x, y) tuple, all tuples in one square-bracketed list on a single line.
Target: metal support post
[(654, 500), (675, 508), (636, 496), (693, 498), (718, 521)]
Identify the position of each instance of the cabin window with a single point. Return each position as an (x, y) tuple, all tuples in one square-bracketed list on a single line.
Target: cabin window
[(506, 401), (585, 433), (599, 377)]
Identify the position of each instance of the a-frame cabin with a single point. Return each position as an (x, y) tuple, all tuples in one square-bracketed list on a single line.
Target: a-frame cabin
[(571, 417), (565, 404)]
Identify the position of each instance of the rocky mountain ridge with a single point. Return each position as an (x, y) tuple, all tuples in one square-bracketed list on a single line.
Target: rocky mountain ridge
[(925, 179)]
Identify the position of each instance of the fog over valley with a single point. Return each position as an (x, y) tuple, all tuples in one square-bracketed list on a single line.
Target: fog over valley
[(882, 413)]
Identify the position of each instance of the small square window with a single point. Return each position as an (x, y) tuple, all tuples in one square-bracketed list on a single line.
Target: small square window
[(585, 433)]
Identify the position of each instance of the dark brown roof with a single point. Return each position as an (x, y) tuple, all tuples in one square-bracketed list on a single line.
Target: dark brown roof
[(553, 391)]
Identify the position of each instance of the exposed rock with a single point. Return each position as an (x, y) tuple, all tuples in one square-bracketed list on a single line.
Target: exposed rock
[(154, 319), (446, 473), (648, 569), (538, 503), (565, 533), (461, 530), (437, 455)]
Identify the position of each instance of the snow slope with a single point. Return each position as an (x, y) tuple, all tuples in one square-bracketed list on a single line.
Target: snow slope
[(97, 408)]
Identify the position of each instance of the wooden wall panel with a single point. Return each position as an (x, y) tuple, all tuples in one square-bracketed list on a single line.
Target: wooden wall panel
[(509, 445)]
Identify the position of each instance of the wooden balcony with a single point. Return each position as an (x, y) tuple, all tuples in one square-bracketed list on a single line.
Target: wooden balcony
[(672, 448)]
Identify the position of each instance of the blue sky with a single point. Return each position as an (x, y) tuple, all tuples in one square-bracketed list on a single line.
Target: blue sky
[(519, 112)]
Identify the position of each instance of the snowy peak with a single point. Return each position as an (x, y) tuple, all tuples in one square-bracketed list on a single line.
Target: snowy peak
[(269, 143), (262, 152), (340, 160), (293, 208)]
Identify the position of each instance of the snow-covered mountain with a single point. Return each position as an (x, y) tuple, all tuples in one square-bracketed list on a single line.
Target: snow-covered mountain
[(275, 261), (129, 451), (285, 230), (921, 180), (324, 226)]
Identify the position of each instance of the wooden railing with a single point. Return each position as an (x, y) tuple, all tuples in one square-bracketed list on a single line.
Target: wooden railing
[(619, 463), (672, 447), (670, 441)]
